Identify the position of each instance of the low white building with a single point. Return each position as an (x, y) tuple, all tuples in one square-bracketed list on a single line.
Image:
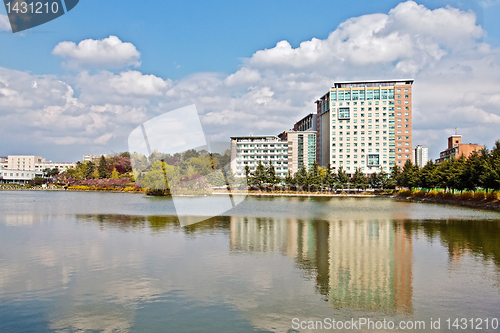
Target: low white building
[(8, 176)]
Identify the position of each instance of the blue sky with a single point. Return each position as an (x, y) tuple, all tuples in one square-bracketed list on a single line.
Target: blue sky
[(181, 38), (223, 57)]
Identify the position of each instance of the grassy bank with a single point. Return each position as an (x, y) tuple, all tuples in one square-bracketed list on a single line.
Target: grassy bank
[(469, 199)]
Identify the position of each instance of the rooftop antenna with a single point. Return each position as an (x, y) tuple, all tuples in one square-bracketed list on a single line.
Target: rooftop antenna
[(455, 131)]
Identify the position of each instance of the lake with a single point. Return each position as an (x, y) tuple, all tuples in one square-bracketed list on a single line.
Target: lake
[(118, 262)]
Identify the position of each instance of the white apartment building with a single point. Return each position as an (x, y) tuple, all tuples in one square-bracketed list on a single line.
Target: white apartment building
[(366, 125), (250, 150), (35, 163), (420, 156)]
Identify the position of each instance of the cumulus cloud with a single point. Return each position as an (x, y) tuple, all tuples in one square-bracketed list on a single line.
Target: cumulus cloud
[(456, 84), (4, 23), (104, 53)]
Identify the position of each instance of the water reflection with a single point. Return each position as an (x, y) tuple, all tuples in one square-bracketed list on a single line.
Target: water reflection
[(365, 265)]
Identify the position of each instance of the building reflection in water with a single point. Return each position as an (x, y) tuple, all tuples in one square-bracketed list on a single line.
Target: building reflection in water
[(365, 265)]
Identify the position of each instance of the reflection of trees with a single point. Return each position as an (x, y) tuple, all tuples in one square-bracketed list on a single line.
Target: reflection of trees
[(156, 223), (479, 237), (127, 222)]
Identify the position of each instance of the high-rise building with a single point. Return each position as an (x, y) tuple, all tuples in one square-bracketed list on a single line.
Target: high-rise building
[(420, 156), (456, 148), (366, 125)]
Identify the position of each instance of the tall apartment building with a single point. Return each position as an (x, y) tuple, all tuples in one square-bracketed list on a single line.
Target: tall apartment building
[(366, 125), (456, 148), (420, 156), (287, 153)]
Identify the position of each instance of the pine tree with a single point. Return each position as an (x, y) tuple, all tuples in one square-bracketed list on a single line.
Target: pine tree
[(103, 167), (271, 178)]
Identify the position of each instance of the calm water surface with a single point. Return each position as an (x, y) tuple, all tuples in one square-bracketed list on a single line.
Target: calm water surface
[(111, 262)]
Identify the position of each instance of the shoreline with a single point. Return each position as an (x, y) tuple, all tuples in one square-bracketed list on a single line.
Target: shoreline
[(453, 201)]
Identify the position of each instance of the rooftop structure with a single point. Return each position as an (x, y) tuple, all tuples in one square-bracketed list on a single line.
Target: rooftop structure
[(456, 149)]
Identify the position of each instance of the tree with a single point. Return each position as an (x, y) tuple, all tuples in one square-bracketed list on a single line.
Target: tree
[(271, 177), (329, 177), (314, 175), (103, 167), (115, 174), (342, 177), (359, 178), (95, 174), (259, 177)]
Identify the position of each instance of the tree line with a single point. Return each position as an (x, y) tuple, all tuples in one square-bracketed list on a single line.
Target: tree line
[(480, 170)]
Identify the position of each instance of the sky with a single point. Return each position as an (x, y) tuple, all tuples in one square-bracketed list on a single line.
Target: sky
[(81, 83)]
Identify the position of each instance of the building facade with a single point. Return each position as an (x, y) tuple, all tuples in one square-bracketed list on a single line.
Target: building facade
[(250, 150), (366, 125), (287, 152), (456, 149), (35, 163), (308, 123), (420, 156), (301, 150), (18, 176)]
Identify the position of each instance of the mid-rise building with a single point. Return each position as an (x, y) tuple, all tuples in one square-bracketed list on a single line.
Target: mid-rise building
[(301, 149), (366, 125), (286, 153), (420, 156), (456, 149), (250, 150), (35, 163)]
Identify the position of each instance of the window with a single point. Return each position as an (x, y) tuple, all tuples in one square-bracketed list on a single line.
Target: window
[(344, 113), (373, 159)]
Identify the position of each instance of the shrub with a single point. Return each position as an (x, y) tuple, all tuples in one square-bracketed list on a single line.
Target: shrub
[(479, 196), (466, 195)]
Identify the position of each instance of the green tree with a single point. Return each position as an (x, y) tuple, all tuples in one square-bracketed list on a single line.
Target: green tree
[(359, 178), (103, 167), (314, 175), (259, 177), (95, 174), (342, 177), (115, 174), (271, 177)]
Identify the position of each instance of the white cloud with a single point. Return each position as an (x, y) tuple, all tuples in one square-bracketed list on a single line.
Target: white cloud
[(110, 52), (456, 85), (4, 23)]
